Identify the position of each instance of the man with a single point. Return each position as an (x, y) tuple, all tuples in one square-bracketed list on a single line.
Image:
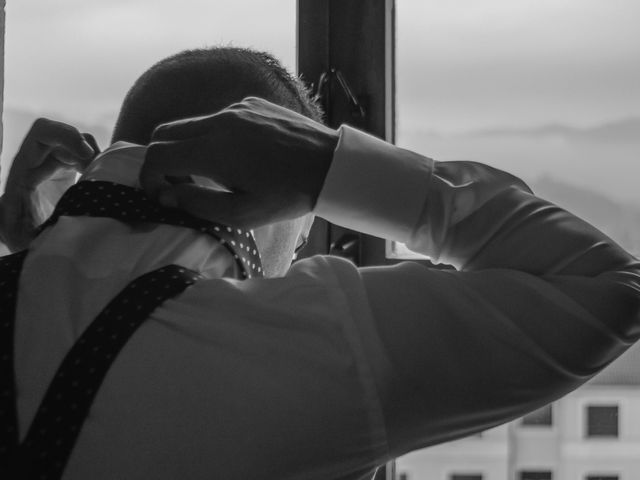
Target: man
[(324, 370)]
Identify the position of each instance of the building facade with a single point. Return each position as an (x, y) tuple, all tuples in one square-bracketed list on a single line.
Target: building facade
[(591, 434)]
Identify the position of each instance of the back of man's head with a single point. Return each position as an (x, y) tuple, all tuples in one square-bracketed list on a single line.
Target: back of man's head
[(204, 81)]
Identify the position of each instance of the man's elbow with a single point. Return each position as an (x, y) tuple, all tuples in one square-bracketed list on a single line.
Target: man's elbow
[(623, 295)]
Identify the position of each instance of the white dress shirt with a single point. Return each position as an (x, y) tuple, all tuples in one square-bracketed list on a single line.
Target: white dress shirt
[(332, 369)]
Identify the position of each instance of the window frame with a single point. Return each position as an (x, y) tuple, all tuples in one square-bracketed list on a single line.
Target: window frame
[(326, 40), (522, 473)]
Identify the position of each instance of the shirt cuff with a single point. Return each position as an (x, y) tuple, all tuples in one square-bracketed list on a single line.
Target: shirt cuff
[(374, 187)]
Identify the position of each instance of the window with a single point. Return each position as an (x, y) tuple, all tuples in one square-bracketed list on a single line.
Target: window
[(542, 89), (536, 475), (602, 477), (466, 476), (602, 421), (46, 41), (542, 417)]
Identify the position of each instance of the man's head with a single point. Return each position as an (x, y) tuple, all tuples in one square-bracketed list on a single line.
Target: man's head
[(204, 81)]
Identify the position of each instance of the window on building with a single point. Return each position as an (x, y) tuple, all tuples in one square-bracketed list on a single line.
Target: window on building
[(602, 421), (536, 475), (602, 477), (403, 476), (542, 417), (466, 476)]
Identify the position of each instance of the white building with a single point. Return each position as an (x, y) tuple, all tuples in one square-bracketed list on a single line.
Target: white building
[(591, 434)]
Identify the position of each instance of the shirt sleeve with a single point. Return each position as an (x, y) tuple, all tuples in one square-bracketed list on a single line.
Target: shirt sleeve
[(538, 303), (24, 210)]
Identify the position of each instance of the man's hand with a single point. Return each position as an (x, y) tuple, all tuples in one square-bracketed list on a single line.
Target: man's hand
[(271, 161), (51, 151)]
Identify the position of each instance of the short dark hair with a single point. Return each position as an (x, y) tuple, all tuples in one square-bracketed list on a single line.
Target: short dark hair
[(204, 81)]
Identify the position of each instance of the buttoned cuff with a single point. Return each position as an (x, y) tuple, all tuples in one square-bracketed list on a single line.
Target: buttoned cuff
[(374, 187)]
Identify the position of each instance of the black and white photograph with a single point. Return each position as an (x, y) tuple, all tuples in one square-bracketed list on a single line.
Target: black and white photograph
[(319, 240)]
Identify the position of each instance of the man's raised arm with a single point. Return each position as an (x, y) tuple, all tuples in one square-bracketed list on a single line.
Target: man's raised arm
[(540, 302)]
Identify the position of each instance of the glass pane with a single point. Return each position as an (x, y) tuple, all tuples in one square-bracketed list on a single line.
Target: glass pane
[(550, 91), (74, 60), (547, 90), (602, 421)]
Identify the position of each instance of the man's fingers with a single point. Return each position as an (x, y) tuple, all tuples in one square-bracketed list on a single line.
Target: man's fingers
[(45, 139), (235, 209), (57, 134), (162, 160), (90, 139), (185, 128), (66, 158), (70, 157), (179, 159), (51, 168)]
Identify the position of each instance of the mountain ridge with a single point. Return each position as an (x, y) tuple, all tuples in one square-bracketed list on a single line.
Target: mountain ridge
[(624, 129), (621, 130)]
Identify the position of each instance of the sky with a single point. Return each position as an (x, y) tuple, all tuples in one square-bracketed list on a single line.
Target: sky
[(484, 63), (463, 67), (78, 57)]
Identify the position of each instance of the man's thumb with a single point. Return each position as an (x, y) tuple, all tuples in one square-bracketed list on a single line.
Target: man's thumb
[(206, 203)]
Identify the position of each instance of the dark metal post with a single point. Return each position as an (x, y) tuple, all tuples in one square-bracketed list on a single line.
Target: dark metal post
[(356, 39)]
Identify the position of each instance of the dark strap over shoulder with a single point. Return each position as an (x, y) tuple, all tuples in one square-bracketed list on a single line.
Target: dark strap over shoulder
[(57, 423), (10, 267)]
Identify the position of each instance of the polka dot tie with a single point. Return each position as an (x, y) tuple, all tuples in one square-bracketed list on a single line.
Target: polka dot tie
[(128, 204), (50, 439)]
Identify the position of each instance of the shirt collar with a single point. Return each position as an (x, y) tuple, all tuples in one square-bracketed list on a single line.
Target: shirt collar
[(120, 163)]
